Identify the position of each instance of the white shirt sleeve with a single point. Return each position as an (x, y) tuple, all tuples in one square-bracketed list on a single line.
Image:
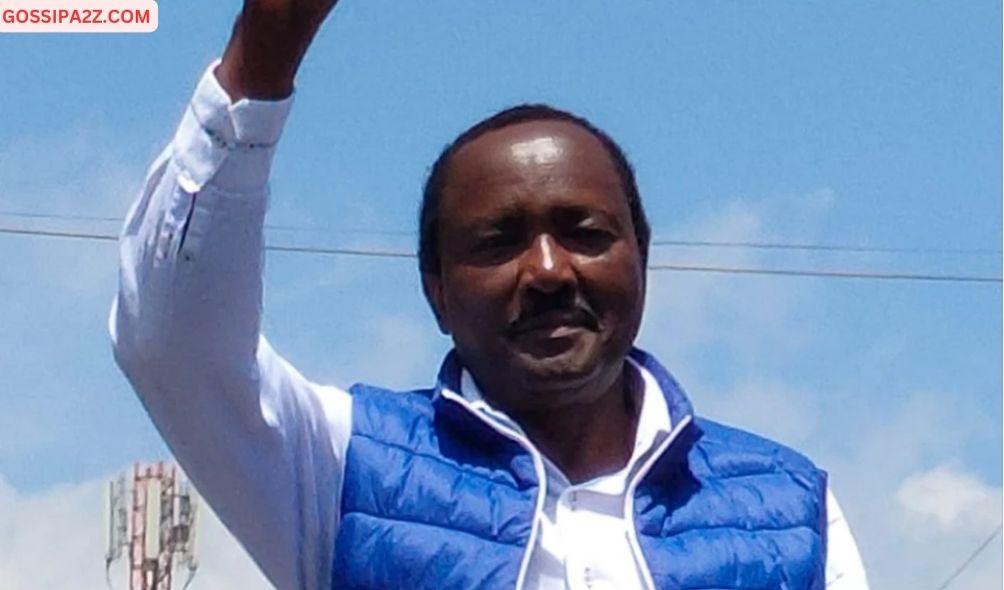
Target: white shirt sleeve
[(844, 570), (263, 445)]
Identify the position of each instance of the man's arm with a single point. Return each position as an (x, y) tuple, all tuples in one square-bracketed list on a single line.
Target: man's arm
[(844, 570), (262, 444)]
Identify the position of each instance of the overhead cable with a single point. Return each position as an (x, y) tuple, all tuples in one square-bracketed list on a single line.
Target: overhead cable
[(971, 557), (375, 253), (105, 218), (831, 274), (820, 247), (746, 244)]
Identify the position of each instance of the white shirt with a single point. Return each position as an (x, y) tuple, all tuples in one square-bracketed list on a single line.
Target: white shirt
[(263, 444), (584, 539)]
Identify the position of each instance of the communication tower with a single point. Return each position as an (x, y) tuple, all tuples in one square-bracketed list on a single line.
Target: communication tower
[(152, 517)]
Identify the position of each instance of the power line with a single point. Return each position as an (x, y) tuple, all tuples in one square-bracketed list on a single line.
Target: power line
[(342, 251), (832, 274), (821, 247), (74, 217), (280, 248), (971, 557), (57, 234), (28, 215), (375, 253), (341, 230), (655, 242)]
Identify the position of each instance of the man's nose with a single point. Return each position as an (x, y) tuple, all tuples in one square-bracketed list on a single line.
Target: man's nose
[(547, 266)]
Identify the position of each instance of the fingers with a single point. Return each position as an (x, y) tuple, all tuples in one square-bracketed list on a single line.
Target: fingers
[(268, 44)]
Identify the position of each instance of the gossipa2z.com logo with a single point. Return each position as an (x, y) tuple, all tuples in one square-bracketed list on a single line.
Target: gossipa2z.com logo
[(78, 16)]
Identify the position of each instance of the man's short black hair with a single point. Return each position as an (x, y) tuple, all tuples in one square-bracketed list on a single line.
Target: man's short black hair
[(428, 222)]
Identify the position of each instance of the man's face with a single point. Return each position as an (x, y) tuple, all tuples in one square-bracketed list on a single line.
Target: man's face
[(541, 282)]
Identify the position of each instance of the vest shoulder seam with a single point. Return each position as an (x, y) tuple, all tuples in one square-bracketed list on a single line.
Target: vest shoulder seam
[(768, 446)]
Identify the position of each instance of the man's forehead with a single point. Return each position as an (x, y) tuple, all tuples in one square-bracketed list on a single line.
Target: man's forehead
[(538, 150), (526, 148)]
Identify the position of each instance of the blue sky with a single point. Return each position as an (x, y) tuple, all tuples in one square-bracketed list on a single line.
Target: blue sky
[(868, 124)]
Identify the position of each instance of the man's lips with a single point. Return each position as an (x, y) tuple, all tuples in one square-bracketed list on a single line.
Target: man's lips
[(555, 324)]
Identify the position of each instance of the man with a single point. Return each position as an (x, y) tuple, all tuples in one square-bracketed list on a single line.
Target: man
[(550, 453)]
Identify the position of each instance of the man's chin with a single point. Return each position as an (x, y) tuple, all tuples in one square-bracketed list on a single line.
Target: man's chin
[(571, 369)]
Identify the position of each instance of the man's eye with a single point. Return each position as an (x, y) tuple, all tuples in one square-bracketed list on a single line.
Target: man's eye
[(590, 239), (495, 246), (496, 241), (591, 233)]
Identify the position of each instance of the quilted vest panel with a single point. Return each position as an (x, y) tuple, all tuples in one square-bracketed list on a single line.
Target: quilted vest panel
[(431, 499), (725, 509), (435, 498)]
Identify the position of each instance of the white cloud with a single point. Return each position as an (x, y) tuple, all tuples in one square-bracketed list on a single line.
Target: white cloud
[(880, 470), (951, 499), (409, 352), (688, 312), (84, 171), (775, 410), (54, 539)]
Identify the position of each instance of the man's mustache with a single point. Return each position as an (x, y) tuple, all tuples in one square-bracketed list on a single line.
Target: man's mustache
[(544, 315)]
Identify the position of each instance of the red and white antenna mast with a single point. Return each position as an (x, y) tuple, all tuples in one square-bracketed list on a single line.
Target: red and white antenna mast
[(153, 519)]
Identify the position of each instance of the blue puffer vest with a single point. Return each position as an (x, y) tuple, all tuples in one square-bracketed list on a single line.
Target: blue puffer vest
[(436, 497)]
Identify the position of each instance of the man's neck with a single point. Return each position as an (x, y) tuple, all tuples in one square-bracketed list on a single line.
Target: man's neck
[(590, 439)]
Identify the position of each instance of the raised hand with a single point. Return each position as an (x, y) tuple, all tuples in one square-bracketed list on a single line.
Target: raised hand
[(268, 43), (296, 13)]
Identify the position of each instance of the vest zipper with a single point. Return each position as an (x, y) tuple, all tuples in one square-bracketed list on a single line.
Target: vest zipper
[(629, 500), (538, 467)]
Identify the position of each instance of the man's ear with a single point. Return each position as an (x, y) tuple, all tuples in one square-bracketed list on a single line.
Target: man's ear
[(432, 285)]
